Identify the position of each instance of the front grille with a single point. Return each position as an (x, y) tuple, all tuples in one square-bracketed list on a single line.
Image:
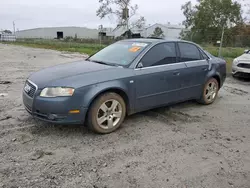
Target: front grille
[(242, 75), (32, 90), (244, 65), (29, 108)]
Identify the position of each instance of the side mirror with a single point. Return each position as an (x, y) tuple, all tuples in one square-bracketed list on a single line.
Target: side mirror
[(140, 65)]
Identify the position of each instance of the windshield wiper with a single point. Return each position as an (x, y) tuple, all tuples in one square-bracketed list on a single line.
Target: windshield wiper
[(100, 62), (103, 63)]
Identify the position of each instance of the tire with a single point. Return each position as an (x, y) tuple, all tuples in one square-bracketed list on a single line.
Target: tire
[(106, 113), (213, 85)]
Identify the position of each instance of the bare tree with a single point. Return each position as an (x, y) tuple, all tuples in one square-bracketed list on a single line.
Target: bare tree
[(7, 31), (139, 23), (158, 32), (123, 10)]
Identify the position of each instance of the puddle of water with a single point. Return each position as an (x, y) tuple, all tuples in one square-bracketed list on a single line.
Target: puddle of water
[(3, 94)]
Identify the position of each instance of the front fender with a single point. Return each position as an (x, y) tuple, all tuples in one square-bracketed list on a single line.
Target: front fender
[(89, 93)]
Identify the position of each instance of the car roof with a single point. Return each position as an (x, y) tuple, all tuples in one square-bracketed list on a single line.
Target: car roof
[(156, 40), (144, 40)]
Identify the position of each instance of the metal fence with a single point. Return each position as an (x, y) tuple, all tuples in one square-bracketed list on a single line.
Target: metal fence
[(217, 38), (7, 37), (232, 45), (214, 40)]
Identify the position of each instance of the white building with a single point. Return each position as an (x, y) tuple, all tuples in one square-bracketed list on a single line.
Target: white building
[(106, 32), (169, 31), (58, 32), (7, 37)]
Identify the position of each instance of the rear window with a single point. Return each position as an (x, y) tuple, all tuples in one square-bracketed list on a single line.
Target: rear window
[(120, 53)]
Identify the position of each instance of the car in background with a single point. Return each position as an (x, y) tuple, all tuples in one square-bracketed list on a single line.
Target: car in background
[(241, 65), (124, 78)]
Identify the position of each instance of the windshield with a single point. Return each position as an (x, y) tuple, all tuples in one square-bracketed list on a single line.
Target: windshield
[(120, 53)]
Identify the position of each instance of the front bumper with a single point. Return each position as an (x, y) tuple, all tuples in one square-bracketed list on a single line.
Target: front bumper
[(54, 110), (238, 70)]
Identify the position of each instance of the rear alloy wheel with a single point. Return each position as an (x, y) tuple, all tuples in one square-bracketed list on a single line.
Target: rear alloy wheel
[(107, 113), (210, 91)]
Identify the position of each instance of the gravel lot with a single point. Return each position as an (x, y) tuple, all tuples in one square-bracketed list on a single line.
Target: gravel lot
[(186, 145)]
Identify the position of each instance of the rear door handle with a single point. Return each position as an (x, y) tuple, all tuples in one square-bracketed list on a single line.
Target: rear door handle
[(176, 73)]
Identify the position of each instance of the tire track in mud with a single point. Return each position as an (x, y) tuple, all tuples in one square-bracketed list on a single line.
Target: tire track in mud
[(173, 118), (235, 91), (108, 162)]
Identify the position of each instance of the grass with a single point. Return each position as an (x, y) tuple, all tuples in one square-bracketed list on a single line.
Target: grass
[(229, 64), (61, 46), (228, 53)]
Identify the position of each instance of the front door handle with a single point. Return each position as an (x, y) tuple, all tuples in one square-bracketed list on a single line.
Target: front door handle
[(176, 73), (204, 69)]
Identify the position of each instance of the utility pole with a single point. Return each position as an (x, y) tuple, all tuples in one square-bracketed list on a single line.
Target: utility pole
[(100, 33), (192, 34), (14, 28), (221, 40), (126, 19)]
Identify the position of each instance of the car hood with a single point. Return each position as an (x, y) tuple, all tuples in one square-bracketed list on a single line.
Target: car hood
[(48, 76), (245, 58)]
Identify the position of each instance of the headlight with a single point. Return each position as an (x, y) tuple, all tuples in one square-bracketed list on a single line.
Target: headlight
[(57, 92), (235, 61)]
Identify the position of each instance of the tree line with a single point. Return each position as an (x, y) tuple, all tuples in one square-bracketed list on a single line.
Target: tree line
[(204, 21)]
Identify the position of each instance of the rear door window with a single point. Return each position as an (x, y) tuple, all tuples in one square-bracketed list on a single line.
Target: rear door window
[(189, 52)]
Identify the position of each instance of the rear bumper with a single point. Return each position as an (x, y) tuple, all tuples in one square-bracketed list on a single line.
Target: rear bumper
[(54, 110)]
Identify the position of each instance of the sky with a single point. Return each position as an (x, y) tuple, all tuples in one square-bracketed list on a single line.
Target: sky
[(55, 13)]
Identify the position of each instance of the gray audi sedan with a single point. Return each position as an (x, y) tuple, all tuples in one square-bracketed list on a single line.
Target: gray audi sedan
[(124, 78)]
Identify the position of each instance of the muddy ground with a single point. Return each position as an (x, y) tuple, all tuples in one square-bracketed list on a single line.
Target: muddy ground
[(185, 145)]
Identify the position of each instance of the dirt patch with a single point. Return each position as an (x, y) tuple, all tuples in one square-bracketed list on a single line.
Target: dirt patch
[(39, 154), (5, 118), (73, 55), (185, 145), (5, 82), (235, 91)]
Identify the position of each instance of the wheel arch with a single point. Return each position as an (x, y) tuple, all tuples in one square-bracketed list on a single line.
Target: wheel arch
[(117, 90), (217, 77)]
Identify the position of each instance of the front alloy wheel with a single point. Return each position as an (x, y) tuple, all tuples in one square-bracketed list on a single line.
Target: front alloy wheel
[(107, 113)]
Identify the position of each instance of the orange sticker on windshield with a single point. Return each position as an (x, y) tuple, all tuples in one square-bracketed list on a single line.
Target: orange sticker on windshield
[(134, 49)]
